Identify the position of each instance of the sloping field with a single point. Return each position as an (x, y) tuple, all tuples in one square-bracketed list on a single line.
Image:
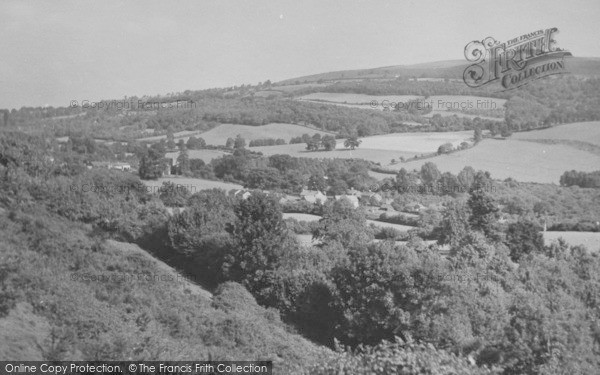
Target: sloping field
[(193, 185), (299, 150), (415, 143), (378, 148), (588, 132), (523, 161), (356, 98), (219, 135), (591, 240)]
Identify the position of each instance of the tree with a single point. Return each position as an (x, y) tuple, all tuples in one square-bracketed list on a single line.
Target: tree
[(317, 181), (260, 237), (466, 178), (173, 195), (328, 142), (455, 224), (405, 181), (152, 163), (352, 142), (181, 145), (239, 142), (170, 139), (343, 223), (430, 174), (445, 148), (183, 163), (230, 142), (194, 143), (522, 238), (478, 135), (484, 212)]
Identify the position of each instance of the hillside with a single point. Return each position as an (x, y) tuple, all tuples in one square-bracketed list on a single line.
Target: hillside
[(452, 69), (114, 300)]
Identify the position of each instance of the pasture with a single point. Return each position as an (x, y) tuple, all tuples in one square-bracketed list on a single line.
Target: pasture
[(523, 161), (414, 143), (299, 151), (588, 132), (219, 135), (356, 98), (378, 148), (590, 240)]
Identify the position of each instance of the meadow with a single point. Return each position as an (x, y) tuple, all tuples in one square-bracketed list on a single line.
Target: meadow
[(219, 135), (379, 148), (588, 132), (523, 161)]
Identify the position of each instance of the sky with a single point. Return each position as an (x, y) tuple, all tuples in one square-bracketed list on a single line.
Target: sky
[(58, 51)]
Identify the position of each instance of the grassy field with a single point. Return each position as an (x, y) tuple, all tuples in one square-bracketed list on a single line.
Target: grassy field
[(591, 240), (356, 98), (588, 132), (379, 148), (440, 104), (219, 135), (192, 184), (523, 161), (299, 150), (413, 143)]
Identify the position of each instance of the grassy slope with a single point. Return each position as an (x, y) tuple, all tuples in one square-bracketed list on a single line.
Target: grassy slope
[(504, 158), (219, 135), (150, 316), (588, 132)]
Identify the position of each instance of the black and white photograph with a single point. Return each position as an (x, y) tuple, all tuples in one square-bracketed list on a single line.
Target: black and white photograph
[(391, 187)]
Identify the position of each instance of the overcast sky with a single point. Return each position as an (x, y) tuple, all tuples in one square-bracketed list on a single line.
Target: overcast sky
[(52, 52)]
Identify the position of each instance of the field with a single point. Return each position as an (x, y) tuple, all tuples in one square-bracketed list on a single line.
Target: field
[(204, 155), (591, 240), (193, 185), (356, 98), (523, 161), (219, 135), (588, 132), (379, 148), (440, 104), (414, 143), (379, 224), (299, 151)]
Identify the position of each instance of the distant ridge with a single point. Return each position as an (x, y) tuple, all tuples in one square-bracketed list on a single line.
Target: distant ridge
[(451, 69)]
